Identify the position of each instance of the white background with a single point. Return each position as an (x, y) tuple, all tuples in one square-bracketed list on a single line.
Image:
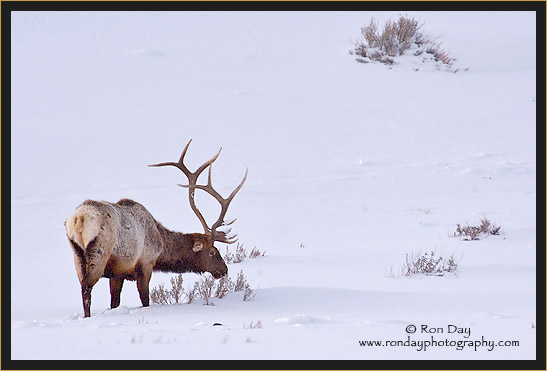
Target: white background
[(359, 164)]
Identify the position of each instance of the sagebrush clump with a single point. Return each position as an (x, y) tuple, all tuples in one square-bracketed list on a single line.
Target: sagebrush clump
[(473, 233), (253, 325), (429, 264), (240, 254), (224, 286), (174, 295), (206, 289), (159, 295), (397, 38)]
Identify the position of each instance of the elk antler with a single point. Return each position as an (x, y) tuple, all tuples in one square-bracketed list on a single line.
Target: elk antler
[(219, 236)]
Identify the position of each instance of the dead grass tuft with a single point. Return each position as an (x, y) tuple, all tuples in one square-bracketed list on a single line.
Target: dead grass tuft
[(428, 264), (473, 233)]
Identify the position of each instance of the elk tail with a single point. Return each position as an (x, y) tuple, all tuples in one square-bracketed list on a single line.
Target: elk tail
[(82, 227), (79, 224)]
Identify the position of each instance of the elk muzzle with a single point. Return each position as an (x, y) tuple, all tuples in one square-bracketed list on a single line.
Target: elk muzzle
[(220, 272)]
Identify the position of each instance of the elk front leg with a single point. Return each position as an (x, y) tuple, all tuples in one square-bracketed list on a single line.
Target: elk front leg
[(143, 279), (116, 285)]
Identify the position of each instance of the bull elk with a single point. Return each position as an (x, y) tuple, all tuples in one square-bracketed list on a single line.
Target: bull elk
[(122, 241)]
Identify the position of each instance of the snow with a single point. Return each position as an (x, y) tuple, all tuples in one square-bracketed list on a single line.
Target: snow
[(351, 167)]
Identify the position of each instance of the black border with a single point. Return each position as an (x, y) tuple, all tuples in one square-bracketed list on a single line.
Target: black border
[(8, 6), (272, 5)]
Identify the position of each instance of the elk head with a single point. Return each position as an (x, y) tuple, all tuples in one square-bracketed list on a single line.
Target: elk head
[(208, 258)]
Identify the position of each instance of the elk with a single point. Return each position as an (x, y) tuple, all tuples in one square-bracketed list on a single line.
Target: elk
[(122, 241)]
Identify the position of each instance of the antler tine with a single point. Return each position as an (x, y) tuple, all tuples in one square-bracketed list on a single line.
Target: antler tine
[(231, 240), (225, 203), (208, 163), (230, 223), (180, 164), (232, 195), (181, 158), (192, 177)]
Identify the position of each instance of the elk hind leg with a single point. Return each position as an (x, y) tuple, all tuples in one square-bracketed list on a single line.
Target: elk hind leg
[(116, 285), (95, 263), (144, 273)]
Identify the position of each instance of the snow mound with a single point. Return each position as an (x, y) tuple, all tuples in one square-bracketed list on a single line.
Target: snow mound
[(303, 320)]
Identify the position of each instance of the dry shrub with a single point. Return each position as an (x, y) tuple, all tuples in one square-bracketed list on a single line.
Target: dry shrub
[(396, 38), (241, 284), (439, 54), (240, 254), (160, 295), (473, 233), (249, 293), (177, 291), (238, 257), (370, 34), (224, 286), (255, 253), (253, 325), (205, 289), (192, 293), (429, 264)]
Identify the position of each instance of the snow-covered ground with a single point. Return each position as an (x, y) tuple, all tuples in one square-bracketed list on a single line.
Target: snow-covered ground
[(351, 167)]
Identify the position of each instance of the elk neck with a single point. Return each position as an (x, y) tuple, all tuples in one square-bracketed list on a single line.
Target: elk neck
[(177, 255)]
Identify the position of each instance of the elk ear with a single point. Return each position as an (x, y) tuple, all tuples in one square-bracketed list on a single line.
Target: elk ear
[(197, 246)]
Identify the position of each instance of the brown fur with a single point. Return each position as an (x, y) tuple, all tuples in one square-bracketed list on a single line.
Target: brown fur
[(177, 255), (122, 241)]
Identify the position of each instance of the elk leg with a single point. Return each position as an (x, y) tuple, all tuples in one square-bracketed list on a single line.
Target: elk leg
[(95, 262), (80, 262), (86, 299), (79, 259), (144, 274), (116, 285), (87, 285)]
